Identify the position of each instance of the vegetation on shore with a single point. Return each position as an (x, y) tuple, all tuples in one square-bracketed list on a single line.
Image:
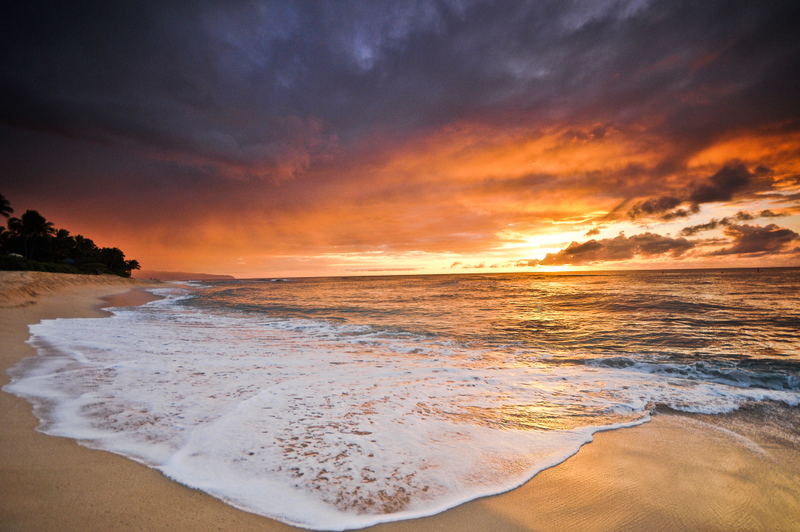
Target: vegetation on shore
[(32, 243)]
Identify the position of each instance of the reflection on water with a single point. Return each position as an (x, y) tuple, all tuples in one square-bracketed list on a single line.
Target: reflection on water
[(741, 316)]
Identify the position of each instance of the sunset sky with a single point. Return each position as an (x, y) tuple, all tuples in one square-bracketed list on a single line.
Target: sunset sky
[(344, 138)]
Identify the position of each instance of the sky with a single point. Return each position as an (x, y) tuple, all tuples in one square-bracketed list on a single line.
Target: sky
[(351, 138)]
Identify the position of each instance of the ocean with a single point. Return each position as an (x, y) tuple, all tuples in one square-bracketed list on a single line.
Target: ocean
[(337, 403)]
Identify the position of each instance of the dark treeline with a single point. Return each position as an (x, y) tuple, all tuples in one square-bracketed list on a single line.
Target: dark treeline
[(30, 242)]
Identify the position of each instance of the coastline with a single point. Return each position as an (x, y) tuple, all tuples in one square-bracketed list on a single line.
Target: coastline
[(675, 472)]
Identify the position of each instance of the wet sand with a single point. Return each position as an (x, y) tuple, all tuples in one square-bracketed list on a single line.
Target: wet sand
[(678, 472)]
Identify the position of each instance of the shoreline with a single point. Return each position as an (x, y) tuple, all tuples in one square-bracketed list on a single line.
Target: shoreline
[(675, 472)]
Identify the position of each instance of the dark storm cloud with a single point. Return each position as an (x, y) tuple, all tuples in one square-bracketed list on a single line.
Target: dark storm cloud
[(699, 228), (614, 249), (740, 216), (722, 185), (220, 80), (654, 206), (755, 240), (149, 76), (725, 184), (680, 213)]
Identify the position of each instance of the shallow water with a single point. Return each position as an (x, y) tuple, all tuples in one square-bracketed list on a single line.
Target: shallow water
[(339, 403)]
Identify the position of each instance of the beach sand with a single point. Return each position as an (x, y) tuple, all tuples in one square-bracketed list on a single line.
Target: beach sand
[(677, 472)]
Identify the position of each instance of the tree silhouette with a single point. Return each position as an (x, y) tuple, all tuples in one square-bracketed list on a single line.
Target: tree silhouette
[(61, 245), (113, 258), (84, 246), (131, 265), (32, 243), (31, 226), (5, 207)]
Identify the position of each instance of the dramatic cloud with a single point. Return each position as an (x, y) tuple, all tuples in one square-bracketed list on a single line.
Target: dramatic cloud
[(756, 240), (260, 136), (218, 81), (619, 248), (740, 216), (654, 206), (722, 185)]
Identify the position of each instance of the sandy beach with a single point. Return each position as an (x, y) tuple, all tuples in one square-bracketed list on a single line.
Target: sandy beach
[(677, 472)]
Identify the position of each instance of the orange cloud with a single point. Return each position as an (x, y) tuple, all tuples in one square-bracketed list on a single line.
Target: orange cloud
[(777, 150), (463, 190)]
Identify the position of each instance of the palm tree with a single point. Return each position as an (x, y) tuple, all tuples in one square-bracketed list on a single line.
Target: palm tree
[(113, 258), (31, 225), (5, 206), (131, 265), (85, 248), (61, 245)]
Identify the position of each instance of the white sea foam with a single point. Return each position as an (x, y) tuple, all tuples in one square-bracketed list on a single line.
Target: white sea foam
[(326, 426)]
